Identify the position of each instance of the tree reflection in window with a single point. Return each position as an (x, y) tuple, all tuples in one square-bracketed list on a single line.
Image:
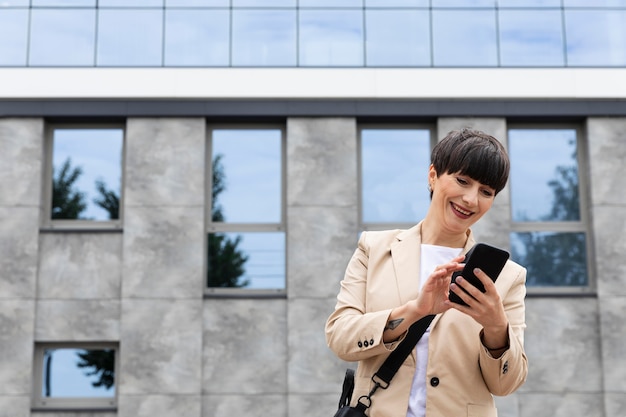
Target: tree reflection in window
[(226, 261), (553, 258), (72, 373), (86, 173)]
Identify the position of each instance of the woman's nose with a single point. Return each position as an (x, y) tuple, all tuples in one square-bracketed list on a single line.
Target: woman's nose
[(471, 197)]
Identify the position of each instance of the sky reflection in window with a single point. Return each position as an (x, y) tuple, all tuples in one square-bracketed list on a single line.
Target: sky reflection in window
[(394, 169)]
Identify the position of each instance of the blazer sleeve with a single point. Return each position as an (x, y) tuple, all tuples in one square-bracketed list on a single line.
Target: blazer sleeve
[(505, 374), (352, 332)]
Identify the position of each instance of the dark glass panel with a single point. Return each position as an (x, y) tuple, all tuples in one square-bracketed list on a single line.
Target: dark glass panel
[(62, 37), (394, 169), (397, 38), (78, 373), (264, 37), (551, 259), (544, 175), (247, 168), (87, 169), (529, 38), (197, 37), (331, 38), (464, 38), (253, 260)]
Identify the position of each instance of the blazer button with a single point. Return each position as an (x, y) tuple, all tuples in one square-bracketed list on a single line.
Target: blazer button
[(372, 342), (360, 344), (366, 343), (434, 381), (505, 367)]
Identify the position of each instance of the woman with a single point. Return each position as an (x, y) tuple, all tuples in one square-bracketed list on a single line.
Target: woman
[(396, 277)]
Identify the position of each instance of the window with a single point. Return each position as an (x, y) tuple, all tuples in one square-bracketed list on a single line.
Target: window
[(549, 224), (394, 165), (75, 376), (246, 232), (83, 187)]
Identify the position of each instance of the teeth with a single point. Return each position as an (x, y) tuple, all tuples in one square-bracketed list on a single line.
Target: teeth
[(460, 210)]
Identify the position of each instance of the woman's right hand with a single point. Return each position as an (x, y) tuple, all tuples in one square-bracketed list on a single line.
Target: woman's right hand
[(435, 291)]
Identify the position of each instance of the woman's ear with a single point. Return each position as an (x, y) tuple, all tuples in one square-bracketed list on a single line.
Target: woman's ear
[(432, 176)]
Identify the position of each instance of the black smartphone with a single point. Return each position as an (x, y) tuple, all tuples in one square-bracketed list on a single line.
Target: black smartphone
[(488, 258)]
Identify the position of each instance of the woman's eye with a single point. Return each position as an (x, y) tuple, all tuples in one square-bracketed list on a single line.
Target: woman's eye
[(461, 181), (488, 193)]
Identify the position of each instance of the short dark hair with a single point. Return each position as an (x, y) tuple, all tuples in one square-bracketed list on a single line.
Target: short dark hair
[(473, 153)]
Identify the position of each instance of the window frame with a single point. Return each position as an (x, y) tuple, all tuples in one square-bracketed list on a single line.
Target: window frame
[(217, 227), (581, 226), (49, 224), (40, 403), (367, 226)]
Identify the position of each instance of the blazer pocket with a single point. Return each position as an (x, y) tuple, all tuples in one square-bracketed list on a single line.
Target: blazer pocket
[(475, 410)]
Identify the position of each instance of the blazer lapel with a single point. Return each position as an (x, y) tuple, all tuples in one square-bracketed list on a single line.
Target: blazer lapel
[(405, 253)]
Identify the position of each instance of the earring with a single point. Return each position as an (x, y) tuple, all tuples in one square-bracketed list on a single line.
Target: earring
[(430, 188)]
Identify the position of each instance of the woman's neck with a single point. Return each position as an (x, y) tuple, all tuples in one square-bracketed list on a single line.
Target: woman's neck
[(436, 236)]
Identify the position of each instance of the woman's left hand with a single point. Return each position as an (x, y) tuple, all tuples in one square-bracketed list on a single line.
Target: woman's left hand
[(486, 308)]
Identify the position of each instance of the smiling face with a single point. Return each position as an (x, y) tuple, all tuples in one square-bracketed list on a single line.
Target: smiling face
[(458, 201)]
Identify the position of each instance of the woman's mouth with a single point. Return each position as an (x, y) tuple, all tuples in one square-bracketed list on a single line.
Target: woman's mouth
[(460, 211)]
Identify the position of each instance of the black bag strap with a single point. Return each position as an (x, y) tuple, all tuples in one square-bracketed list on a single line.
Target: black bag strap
[(390, 367), (348, 388)]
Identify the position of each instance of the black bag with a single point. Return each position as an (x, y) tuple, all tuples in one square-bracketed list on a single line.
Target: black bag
[(344, 409), (386, 371)]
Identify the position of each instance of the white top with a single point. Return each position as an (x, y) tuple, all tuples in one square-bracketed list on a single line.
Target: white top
[(431, 256)]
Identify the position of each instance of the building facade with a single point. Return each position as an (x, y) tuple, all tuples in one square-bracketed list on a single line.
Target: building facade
[(238, 162)]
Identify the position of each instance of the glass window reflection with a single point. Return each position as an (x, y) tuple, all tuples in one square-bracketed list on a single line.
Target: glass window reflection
[(551, 259), (397, 38), (63, 3), (463, 3), (330, 3), (78, 373), (264, 37), (264, 3), (247, 167), (529, 3), (197, 37), (528, 38), (331, 38), (596, 37), (13, 37), (87, 169), (544, 175), (130, 37), (254, 260), (594, 3), (464, 38), (394, 169), (63, 37), (130, 3), (197, 3), (397, 3)]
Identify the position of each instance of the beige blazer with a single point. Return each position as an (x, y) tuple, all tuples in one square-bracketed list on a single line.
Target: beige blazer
[(461, 375)]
